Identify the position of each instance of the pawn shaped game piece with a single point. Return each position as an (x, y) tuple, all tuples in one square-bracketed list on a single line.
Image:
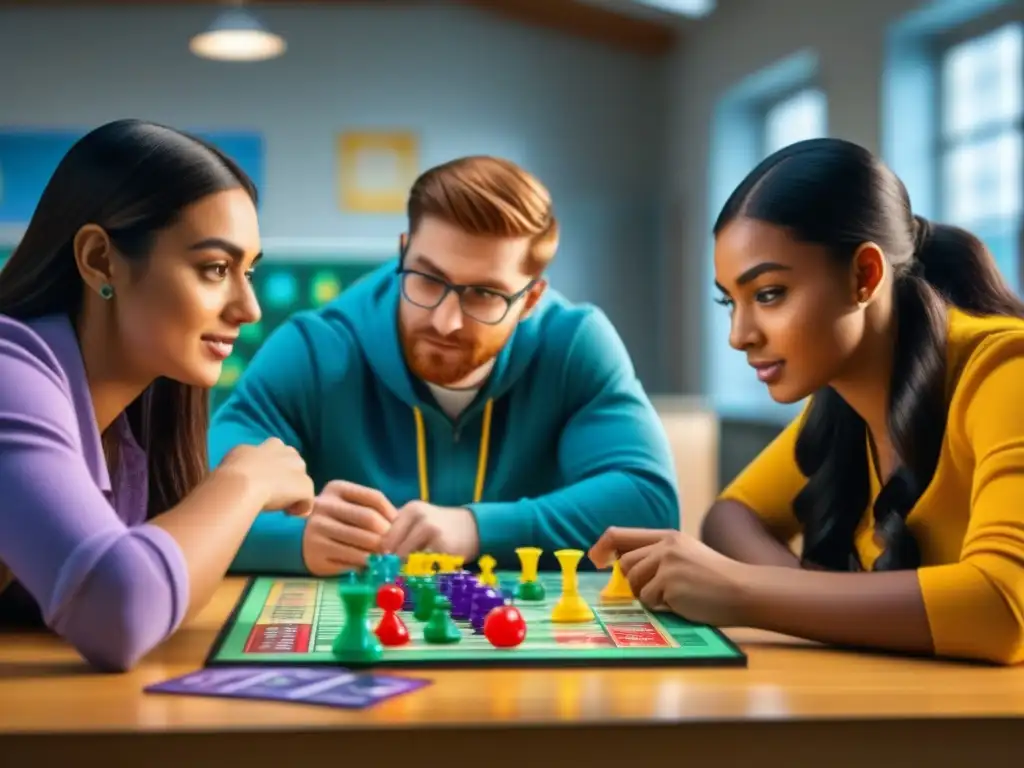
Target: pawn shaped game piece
[(529, 588), (487, 576), (356, 643), (485, 599), (425, 594), (391, 630), (440, 628), (617, 588), (505, 626), (409, 586), (461, 596), (571, 607)]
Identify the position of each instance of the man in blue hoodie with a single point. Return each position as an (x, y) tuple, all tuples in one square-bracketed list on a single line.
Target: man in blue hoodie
[(450, 401)]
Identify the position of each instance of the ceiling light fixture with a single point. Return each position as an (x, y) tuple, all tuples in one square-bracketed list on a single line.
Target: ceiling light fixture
[(694, 9), (236, 35)]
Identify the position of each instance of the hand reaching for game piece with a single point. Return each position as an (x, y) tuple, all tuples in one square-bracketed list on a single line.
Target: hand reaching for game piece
[(669, 569), (348, 523), (421, 526), (279, 472)]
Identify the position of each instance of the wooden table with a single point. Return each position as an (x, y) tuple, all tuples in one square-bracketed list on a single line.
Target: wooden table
[(796, 704)]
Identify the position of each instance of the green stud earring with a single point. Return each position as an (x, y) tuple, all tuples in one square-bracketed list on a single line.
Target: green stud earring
[(107, 291)]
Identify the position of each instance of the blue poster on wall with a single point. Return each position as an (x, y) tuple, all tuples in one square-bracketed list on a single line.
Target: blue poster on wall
[(28, 159)]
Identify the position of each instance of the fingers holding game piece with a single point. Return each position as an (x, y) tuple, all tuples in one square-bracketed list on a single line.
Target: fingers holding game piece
[(617, 542), (653, 592), (301, 508), (330, 545), (424, 526), (640, 565), (361, 497), (412, 531), (348, 524)]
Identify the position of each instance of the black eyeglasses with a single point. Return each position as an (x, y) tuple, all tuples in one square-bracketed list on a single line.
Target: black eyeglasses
[(485, 305)]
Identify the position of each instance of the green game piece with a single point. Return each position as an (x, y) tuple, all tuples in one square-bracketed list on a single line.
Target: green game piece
[(530, 591), (356, 642), (426, 592), (346, 578), (441, 628)]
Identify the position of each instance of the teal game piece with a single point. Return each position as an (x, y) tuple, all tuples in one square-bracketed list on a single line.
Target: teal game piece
[(375, 570), (441, 628), (393, 567), (356, 642)]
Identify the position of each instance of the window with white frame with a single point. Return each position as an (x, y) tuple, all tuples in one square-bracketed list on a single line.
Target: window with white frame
[(796, 117), (981, 162)]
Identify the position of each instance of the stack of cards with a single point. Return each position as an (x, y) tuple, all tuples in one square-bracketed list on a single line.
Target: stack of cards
[(326, 686)]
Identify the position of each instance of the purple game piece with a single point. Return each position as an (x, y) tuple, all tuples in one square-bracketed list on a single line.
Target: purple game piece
[(444, 584), (462, 596), (484, 600), (409, 602)]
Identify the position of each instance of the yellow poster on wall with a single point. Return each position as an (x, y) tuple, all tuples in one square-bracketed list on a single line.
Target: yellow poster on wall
[(376, 169)]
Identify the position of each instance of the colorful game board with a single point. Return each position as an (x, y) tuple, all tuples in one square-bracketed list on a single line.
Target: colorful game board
[(295, 621)]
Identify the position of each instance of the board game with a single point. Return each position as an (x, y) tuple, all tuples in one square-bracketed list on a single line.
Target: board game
[(295, 620)]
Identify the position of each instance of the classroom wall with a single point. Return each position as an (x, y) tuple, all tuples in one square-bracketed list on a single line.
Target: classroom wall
[(742, 37), (586, 119), (846, 47)]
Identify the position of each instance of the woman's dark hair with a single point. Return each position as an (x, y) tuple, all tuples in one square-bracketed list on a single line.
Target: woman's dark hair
[(836, 194), (132, 178)]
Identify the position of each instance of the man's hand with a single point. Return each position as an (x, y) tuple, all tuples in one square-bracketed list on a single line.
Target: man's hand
[(348, 523), (420, 527)]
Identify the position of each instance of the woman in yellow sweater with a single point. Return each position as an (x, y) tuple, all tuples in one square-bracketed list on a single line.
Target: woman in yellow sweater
[(904, 475)]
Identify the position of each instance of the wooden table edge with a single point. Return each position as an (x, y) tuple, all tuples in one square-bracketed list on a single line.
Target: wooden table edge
[(832, 742)]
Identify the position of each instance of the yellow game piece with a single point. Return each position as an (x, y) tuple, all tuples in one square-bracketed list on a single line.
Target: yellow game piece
[(457, 562), (617, 587), (414, 565), (529, 560), (571, 607), (487, 575)]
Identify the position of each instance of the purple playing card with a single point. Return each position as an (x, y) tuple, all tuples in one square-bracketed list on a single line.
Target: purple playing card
[(329, 687)]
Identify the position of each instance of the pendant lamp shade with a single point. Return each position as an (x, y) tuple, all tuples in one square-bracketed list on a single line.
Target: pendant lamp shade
[(236, 35)]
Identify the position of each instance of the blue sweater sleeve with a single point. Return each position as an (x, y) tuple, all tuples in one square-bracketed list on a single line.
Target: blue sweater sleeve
[(613, 452), (275, 397)]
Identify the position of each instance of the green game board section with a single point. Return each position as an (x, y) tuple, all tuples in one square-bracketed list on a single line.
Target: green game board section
[(295, 620)]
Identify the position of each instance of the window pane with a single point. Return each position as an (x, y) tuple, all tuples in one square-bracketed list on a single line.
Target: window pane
[(1003, 240), (982, 180), (801, 116), (982, 81)]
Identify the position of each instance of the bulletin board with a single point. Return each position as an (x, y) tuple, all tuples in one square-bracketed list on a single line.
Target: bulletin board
[(29, 157)]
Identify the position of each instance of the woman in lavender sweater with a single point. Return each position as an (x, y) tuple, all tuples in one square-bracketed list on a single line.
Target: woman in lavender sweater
[(117, 311)]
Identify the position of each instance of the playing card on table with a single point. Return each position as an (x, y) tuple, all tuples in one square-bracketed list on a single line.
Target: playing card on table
[(329, 687)]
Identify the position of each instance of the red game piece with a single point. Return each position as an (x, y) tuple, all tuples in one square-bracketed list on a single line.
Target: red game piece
[(505, 626), (391, 630)]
